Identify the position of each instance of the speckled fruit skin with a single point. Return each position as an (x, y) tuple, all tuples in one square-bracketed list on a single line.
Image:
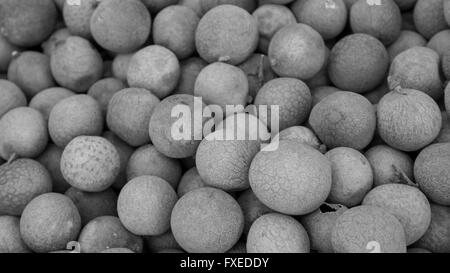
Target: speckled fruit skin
[(407, 203), (174, 28), (437, 237), (352, 176), (440, 42), (408, 119), (58, 36), (189, 70), (10, 239), (329, 18), (45, 100), (93, 204), (76, 64), (344, 119), (417, 68), (389, 165), (154, 68), (195, 5), (129, 113), (271, 18), (90, 163), (277, 233), (297, 51), (207, 220), (145, 204), (23, 132), (407, 39), (105, 233), (258, 71), (385, 20), (120, 66), (222, 84), (321, 92), (51, 160), (20, 182), (444, 135), (74, 116), (429, 17), (303, 135), (161, 242), (224, 163), (358, 63), (31, 72), (77, 17), (162, 124), (293, 98), (27, 23), (226, 33), (360, 229), (6, 53), (432, 172), (120, 26), (146, 160), (104, 90), (252, 208), (49, 222), (12, 97), (319, 225), (285, 179), (190, 181)]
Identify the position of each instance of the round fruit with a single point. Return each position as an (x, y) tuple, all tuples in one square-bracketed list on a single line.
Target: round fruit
[(7, 51), (195, 5), (252, 208), (294, 179), (74, 116), (177, 136), (27, 23), (23, 132), (242, 126), (207, 220), (429, 17), (51, 160), (321, 92), (328, 17), (408, 119), (106, 233), (145, 204), (154, 68), (57, 37), (277, 233), (224, 163), (12, 97), (129, 113), (10, 239), (437, 237), (190, 181), (162, 242), (303, 135), (358, 63), (293, 98), (432, 172), (258, 71), (104, 90), (407, 203), (77, 17), (148, 161), (297, 51), (319, 226), (45, 100), (344, 119), (120, 66), (440, 42), (417, 68), (91, 205), (385, 19), (189, 70), (49, 222), (120, 26), (76, 64), (20, 182), (367, 229), (407, 39), (352, 176), (222, 84), (321, 78), (174, 28), (271, 18), (226, 33)]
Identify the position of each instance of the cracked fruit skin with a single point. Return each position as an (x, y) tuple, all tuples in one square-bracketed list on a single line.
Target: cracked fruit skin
[(207, 220), (362, 229), (294, 179), (277, 233), (20, 182)]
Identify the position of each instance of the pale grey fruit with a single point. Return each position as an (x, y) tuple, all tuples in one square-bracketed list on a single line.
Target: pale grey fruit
[(6, 53), (51, 160), (120, 66), (190, 181), (12, 97), (189, 70), (429, 17), (407, 39), (104, 90), (321, 92), (303, 135), (195, 5), (58, 36), (252, 208), (440, 42), (258, 71), (45, 100), (437, 237), (444, 135), (10, 238), (77, 17)]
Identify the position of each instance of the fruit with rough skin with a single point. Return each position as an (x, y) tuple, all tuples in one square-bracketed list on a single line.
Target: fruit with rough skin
[(429, 17), (195, 5), (45, 100), (106, 233), (20, 182), (189, 70), (57, 37), (49, 222), (10, 238), (440, 42), (277, 233), (407, 39), (120, 66), (207, 220), (190, 181), (12, 97), (90, 163), (74, 116), (252, 208), (51, 160), (7, 51), (258, 71), (284, 179), (104, 90), (437, 237), (77, 17), (145, 204), (303, 135), (321, 92), (444, 135)]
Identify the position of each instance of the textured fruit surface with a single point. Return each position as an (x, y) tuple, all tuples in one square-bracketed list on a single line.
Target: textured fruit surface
[(10, 238), (252, 208), (51, 160), (45, 100), (77, 17), (405, 41), (12, 97), (429, 17), (437, 237), (190, 181)]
